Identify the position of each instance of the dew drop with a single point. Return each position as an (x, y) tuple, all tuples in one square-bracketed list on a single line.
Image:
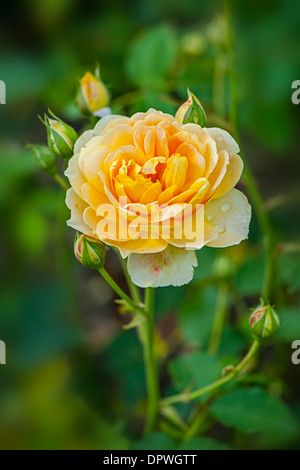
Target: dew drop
[(226, 207), (220, 228), (210, 218)]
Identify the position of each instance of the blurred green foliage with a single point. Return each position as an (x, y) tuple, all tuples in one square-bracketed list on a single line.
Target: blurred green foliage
[(74, 378)]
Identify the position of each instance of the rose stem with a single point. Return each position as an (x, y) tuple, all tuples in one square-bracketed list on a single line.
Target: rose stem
[(62, 183), (119, 291), (146, 335), (185, 397), (219, 320), (254, 193)]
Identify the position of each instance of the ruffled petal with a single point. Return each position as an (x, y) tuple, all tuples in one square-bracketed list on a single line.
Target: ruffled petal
[(223, 140), (77, 207), (232, 176), (172, 267), (230, 215)]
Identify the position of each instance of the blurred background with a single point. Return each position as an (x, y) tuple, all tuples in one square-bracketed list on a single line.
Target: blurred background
[(74, 378)]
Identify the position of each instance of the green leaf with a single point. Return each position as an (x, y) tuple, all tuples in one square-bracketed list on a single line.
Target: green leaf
[(155, 441), (249, 277), (289, 266), (289, 324), (194, 370), (152, 56), (206, 264), (196, 316), (232, 343), (44, 328), (254, 411), (16, 163), (136, 320), (203, 443), (131, 384), (168, 298)]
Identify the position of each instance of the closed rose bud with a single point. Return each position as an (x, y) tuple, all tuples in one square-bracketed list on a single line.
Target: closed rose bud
[(44, 159), (61, 136), (191, 111), (92, 95), (264, 321), (89, 252)]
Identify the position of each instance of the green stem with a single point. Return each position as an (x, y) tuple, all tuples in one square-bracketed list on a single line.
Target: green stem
[(219, 320), (134, 290), (185, 397), (254, 193), (146, 335), (61, 181), (218, 85), (120, 292), (197, 424), (127, 99)]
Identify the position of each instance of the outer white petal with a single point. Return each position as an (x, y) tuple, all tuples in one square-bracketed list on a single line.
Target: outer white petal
[(223, 140), (171, 267), (77, 206), (74, 175), (98, 129), (83, 140), (102, 123), (230, 215)]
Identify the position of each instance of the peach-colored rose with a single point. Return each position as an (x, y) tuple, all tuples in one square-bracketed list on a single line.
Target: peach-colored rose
[(150, 160)]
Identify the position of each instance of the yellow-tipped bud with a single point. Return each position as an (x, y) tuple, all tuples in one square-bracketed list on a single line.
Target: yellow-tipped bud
[(92, 95)]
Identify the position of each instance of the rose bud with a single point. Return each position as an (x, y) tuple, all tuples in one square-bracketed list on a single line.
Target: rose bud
[(44, 159), (89, 252), (264, 321), (61, 136), (191, 111), (92, 96)]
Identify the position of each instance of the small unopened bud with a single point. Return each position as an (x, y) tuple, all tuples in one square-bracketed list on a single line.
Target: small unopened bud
[(89, 251), (44, 159), (191, 111), (264, 321), (92, 95), (61, 136)]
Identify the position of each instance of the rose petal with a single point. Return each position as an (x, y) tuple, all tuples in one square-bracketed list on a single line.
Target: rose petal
[(230, 215), (110, 121), (77, 207), (74, 175), (83, 140), (232, 176), (172, 267), (223, 140)]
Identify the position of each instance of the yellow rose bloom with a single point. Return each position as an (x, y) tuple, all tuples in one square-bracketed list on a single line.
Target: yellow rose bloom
[(128, 165)]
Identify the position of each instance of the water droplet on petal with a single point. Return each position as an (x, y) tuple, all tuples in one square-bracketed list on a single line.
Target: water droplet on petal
[(226, 207), (220, 228), (210, 218)]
